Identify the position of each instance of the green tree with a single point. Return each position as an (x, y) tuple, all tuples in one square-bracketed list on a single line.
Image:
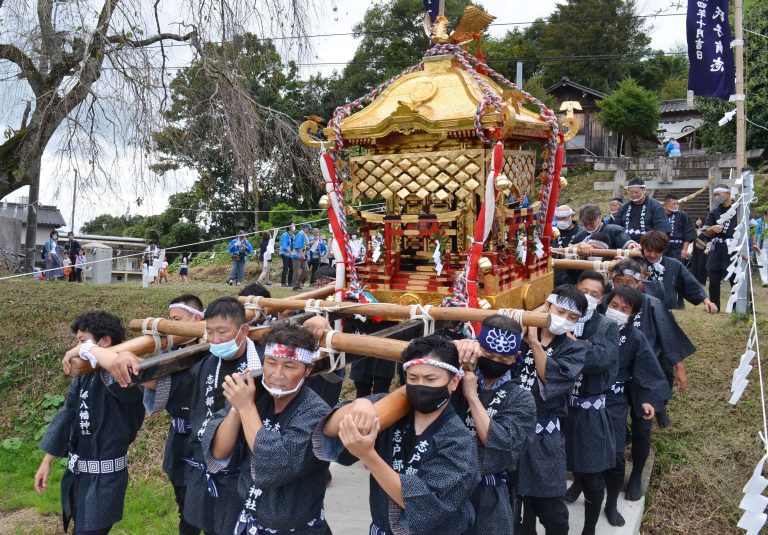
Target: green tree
[(109, 225), (631, 111), (655, 71), (241, 166), (588, 28), (503, 54)]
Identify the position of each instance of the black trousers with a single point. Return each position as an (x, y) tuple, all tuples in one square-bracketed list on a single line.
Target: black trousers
[(593, 486), (551, 512), (716, 277), (313, 265), (641, 443), (287, 276), (184, 527), (614, 480), (377, 385)]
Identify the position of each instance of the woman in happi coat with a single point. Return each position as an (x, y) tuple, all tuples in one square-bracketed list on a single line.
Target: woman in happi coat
[(501, 415), (640, 382), (553, 360), (424, 467), (282, 483)]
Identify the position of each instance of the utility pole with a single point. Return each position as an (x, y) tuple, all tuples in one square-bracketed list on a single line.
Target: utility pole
[(738, 50)]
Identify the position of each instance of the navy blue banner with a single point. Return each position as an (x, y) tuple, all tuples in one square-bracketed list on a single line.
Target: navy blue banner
[(710, 56), (432, 7)]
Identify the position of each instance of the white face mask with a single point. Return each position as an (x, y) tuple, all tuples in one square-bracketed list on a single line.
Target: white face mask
[(563, 225), (591, 303), (560, 325), (618, 316), (277, 393)]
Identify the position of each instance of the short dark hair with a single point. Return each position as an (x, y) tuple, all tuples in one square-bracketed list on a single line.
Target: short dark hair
[(636, 182), (434, 346), (189, 300), (70, 232), (589, 212), (266, 235), (290, 334), (600, 236), (671, 197), (100, 324), (501, 321), (228, 308), (574, 294), (54, 231), (630, 296), (255, 289), (591, 275), (655, 240)]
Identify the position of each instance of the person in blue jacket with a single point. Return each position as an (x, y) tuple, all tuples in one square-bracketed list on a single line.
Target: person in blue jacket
[(286, 254), (300, 266), (240, 249), (673, 148)]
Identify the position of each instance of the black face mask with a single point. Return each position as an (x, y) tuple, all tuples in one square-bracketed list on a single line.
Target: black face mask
[(492, 369), (426, 399)]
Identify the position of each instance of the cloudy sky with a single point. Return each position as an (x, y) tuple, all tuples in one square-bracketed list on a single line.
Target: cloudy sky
[(332, 52)]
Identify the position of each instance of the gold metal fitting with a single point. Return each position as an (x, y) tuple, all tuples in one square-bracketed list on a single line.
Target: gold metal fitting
[(503, 183), (484, 264), (324, 202), (484, 304)]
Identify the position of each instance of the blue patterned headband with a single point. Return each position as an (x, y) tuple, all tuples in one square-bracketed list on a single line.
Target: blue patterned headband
[(499, 341)]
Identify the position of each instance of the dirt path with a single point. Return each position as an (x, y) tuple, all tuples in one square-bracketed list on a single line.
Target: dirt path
[(28, 522)]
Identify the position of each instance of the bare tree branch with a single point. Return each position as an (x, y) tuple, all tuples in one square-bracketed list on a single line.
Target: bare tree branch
[(140, 43), (26, 65)]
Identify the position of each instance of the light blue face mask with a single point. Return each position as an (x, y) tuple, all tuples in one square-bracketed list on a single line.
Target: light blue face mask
[(226, 350)]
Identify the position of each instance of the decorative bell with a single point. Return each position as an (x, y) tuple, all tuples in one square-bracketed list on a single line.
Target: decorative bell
[(503, 183), (324, 202), (484, 264)]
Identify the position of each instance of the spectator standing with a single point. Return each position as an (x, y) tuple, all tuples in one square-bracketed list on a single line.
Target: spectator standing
[(52, 256), (184, 268), (163, 276), (761, 246), (72, 248), (286, 254), (266, 250), (614, 206), (80, 264), (300, 266), (673, 148), (317, 250), (239, 248)]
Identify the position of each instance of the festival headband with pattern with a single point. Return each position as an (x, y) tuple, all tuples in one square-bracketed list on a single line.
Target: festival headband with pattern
[(564, 302), (721, 189), (188, 308), (499, 341), (282, 351), (435, 363)]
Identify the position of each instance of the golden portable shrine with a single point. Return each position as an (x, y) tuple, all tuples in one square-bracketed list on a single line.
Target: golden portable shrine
[(423, 143)]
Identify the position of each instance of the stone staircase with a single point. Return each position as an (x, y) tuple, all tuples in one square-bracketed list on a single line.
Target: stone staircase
[(695, 208)]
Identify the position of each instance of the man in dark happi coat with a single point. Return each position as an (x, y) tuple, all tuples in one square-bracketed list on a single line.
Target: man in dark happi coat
[(424, 467), (641, 213), (589, 436), (502, 417), (93, 430), (568, 233), (614, 206), (640, 382), (616, 236), (271, 436), (719, 225), (670, 345), (185, 307), (553, 360), (682, 232), (671, 276)]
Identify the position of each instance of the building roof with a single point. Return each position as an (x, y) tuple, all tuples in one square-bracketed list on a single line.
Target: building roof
[(676, 105), (564, 81), (46, 215)]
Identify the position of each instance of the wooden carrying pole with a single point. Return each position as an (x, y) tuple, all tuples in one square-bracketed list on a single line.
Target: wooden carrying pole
[(598, 266), (392, 408), (388, 310), (603, 253)]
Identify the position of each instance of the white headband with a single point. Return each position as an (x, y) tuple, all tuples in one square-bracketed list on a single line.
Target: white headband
[(630, 273), (599, 242), (188, 308), (436, 364), (721, 190), (564, 213), (564, 302), (635, 186)]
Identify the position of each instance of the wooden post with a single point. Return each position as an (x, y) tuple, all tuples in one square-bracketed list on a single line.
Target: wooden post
[(738, 50), (619, 179)]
